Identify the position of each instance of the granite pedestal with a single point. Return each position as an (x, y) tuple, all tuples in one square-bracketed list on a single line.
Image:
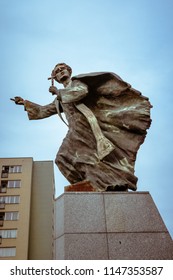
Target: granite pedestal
[(110, 226)]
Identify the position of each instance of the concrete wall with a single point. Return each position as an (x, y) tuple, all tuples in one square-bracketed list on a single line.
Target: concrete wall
[(41, 219)]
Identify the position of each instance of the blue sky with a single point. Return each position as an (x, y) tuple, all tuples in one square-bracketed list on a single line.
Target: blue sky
[(132, 38)]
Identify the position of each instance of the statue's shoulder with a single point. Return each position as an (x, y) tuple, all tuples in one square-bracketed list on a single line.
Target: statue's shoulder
[(97, 78), (103, 83)]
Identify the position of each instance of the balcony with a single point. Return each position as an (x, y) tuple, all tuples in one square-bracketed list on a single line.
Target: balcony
[(3, 190), (4, 175), (1, 223), (2, 205)]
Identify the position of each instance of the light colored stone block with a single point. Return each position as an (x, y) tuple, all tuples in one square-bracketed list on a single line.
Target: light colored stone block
[(140, 246), (132, 212), (86, 246), (80, 213), (117, 225)]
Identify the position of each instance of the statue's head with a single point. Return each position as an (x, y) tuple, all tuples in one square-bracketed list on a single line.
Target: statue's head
[(61, 72)]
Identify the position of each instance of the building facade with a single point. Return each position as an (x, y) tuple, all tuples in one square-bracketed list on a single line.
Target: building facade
[(26, 209)]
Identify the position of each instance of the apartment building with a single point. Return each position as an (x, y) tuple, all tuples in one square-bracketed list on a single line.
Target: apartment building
[(26, 209)]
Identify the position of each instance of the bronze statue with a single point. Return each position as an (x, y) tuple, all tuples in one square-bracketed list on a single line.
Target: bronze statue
[(108, 121)]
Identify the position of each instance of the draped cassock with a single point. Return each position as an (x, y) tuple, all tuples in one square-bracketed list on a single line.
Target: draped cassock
[(108, 121)]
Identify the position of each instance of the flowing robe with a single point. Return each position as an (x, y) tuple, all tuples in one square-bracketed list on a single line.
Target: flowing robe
[(99, 105)]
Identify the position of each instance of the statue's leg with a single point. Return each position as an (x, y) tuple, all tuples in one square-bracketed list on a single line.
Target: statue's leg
[(68, 170)]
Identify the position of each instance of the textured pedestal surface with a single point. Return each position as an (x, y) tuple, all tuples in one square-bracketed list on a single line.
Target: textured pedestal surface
[(109, 225)]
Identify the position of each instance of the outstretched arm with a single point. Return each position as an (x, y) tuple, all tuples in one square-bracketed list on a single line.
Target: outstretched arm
[(36, 111)]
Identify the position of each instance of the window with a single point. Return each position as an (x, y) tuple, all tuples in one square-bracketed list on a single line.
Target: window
[(14, 184), (8, 252), (11, 216), (15, 169), (10, 199), (8, 233), (10, 169), (10, 184)]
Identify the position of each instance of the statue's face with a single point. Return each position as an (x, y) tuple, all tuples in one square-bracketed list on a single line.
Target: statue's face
[(61, 73)]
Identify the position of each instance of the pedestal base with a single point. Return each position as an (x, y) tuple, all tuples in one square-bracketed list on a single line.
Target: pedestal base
[(110, 226)]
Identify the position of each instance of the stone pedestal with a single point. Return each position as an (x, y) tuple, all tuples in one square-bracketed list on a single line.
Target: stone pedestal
[(110, 226)]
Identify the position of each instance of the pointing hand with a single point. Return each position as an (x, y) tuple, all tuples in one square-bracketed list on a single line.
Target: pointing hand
[(18, 100)]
